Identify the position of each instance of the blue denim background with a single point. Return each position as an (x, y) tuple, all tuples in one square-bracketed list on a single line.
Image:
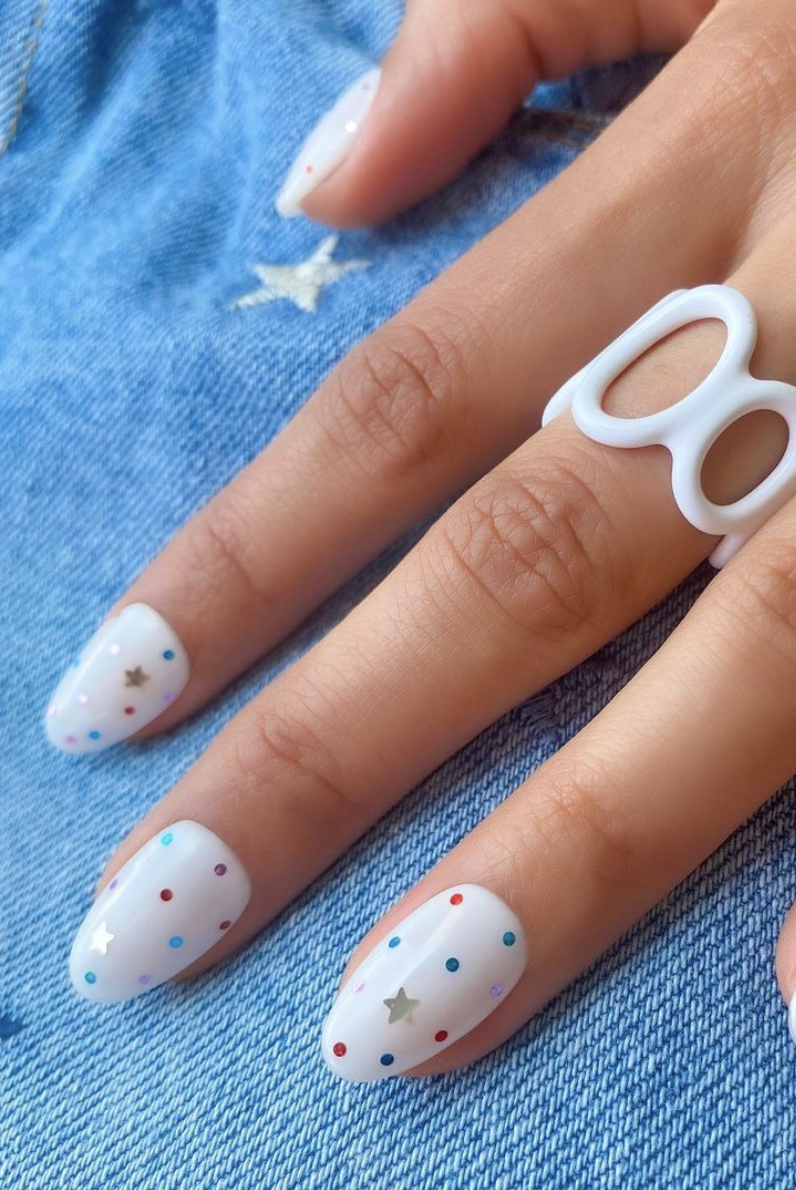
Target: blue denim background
[(134, 199)]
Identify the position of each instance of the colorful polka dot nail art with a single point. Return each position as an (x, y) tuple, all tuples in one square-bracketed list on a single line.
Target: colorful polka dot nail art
[(161, 911), (438, 975), (328, 144), (129, 672)]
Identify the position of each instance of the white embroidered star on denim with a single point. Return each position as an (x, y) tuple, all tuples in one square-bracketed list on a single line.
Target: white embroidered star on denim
[(301, 283)]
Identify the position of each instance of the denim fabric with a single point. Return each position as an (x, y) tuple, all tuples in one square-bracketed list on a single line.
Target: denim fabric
[(142, 145)]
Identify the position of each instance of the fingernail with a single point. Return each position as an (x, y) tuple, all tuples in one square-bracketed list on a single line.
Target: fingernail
[(792, 1017), (329, 143), (439, 973), (131, 670), (169, 904)]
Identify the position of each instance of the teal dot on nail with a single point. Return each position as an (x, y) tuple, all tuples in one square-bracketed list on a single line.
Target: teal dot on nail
[(168, 654), (166, 839), (452, 964), (94, 735), (176, 942), (509, 939), (90, 977), (387, 1059), (394, 942)]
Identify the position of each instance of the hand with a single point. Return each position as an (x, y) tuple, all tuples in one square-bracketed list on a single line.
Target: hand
[(555, 546)]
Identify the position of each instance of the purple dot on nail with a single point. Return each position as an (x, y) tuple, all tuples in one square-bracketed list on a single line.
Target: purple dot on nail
[(144, 980), (220, 869), (71, 739), (358, 986), (112, 884), (496, 989), (169, 697)]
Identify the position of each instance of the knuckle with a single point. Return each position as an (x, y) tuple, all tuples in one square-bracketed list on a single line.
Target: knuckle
[(307, 779), (582, 814), (217, 553), (537, 546), (395, 405), (752, 63), (764, 598)]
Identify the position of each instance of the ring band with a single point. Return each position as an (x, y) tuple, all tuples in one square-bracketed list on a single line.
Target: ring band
[(689, 428)]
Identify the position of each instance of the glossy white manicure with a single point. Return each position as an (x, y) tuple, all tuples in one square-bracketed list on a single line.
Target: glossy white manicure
[(433, 979), (133, 667), (169, 904), (329, 143), (792, 1017)]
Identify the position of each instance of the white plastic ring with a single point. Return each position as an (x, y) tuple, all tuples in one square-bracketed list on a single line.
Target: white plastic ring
[(689, 428)]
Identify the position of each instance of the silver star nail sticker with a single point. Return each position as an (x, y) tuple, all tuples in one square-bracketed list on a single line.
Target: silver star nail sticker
[(135, 677), (301, 283), (400, 1007), (100, 938)]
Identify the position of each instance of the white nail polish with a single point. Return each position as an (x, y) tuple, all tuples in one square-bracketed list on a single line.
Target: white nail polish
[(435, 977), (169, 904), (328, 144), (792, 1017), (130, 671)]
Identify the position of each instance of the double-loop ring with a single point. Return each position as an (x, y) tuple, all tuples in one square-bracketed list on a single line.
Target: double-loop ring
[(689, 428)]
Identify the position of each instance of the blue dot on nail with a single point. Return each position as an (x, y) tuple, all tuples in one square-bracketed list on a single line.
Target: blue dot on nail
[(90, 977), (175, 942), (394, 942), (94, 735), (166, 839), (168, 654), (452, 964), (387, 1059), (509, 939)]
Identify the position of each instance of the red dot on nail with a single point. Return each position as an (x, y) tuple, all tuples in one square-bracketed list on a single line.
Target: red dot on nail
[(225, 925), (338, 1049), (457, 899), (129, 710), (441, 1035), (166, 894), (307, 169)]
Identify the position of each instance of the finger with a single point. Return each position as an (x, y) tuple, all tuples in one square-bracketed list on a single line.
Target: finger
[(449, 386), (786, 966), (447, 85), (531, 570), (598, 835)]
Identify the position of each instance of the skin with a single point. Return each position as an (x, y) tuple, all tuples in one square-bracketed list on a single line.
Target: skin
[(555, 544)]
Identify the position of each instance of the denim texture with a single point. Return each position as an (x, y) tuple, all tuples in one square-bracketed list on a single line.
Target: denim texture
[(146, 142)]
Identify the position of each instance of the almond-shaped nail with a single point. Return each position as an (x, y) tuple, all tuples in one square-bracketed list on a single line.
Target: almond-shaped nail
[(176, 897), (436, 976), (328, 144), (131, 670)]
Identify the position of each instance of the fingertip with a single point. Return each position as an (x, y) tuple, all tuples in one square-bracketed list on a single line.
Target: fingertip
[(785, 964), (404, 129)]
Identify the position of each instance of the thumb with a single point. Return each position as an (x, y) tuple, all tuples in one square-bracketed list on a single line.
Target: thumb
[(448, 84)]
